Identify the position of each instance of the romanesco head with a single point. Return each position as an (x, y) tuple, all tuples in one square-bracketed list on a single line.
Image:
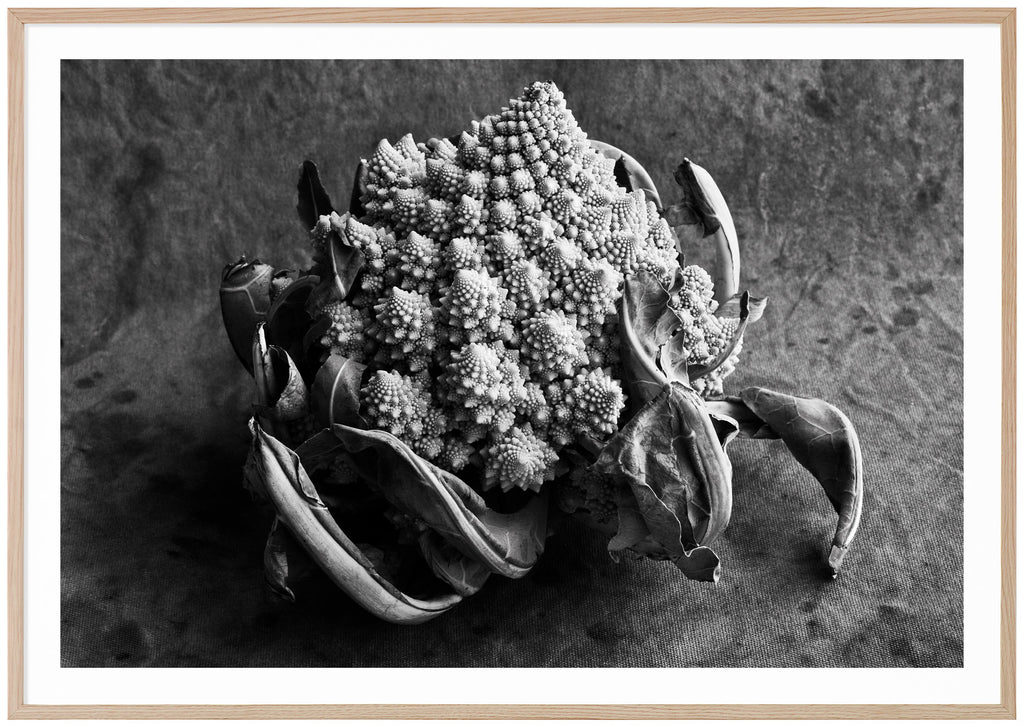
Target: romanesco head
[(494, 264)]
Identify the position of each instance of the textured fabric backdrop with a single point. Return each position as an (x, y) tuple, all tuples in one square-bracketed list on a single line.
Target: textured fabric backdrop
[(845, 179)]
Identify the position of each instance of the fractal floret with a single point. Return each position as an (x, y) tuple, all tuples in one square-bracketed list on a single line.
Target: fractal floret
[(502, 325)]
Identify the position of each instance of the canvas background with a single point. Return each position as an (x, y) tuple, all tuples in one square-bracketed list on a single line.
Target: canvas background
[(845, 180)]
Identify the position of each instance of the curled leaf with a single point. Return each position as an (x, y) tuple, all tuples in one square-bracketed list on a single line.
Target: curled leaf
[(508, 544), (823, 440), (646, 323), (820, 437), (313, 199), (285, 563), (464, 574), (281, 394), (244, 304), (706, 203), (281, 476), (336, 391), (671, 458)]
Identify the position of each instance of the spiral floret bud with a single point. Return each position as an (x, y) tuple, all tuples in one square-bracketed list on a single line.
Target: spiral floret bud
[(395, 403), (404, 328), (346, 332), (472, 307), (477, 389), (519, 459), (592, 292), (528, 287), (552, 345), (596, 400), (418, 262)]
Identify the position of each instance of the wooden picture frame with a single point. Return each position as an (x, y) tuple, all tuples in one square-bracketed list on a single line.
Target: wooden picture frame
[(18, 19)]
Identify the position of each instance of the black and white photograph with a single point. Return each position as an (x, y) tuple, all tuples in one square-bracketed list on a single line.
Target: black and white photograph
[(512, 363)]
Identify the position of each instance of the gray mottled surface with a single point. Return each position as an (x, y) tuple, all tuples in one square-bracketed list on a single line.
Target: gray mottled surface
[(845, 179)]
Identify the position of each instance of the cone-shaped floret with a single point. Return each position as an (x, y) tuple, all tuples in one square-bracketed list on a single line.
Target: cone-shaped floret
[(471, 153), (419, 262), (475, 385), (621, 249), (502, 249), (596, 400), (629, 213), (347, 332), (319, 234), (528, 287), (455, 454), (435, 425), (592, 291), (394, 403), (358, 234), (434, 217), (462, 253), (520, 181), (467, 217), (407, 147), (503, 214), (484, 129), (538, 231), (519, 459), (442, 149), (533, 406), (698, 290), (560, 257), (474, 183), (472, 307), (387, 164), (528, 203), (552, 345), (404, 328), (566, 205), (406, 206), (445, 177), (500, 187)]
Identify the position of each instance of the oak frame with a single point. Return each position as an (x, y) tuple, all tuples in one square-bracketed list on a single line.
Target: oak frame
[(17, 19)]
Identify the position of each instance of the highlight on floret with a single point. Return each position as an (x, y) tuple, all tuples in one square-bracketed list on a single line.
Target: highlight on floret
[(494, 262)]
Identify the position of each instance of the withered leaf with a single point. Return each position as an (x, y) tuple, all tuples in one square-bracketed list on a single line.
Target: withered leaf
[(285, 563), (670, 456), (823, 440), (508, 544), (646, 323), (820, 437), (278, 473), (464, 574)]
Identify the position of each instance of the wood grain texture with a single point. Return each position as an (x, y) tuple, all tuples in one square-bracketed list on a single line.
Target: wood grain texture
[(511, 15), (15, 360), (17, 18), (1008, 605), (518, 711)]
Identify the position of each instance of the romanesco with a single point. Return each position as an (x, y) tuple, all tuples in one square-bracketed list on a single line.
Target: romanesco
[(485, 310)]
